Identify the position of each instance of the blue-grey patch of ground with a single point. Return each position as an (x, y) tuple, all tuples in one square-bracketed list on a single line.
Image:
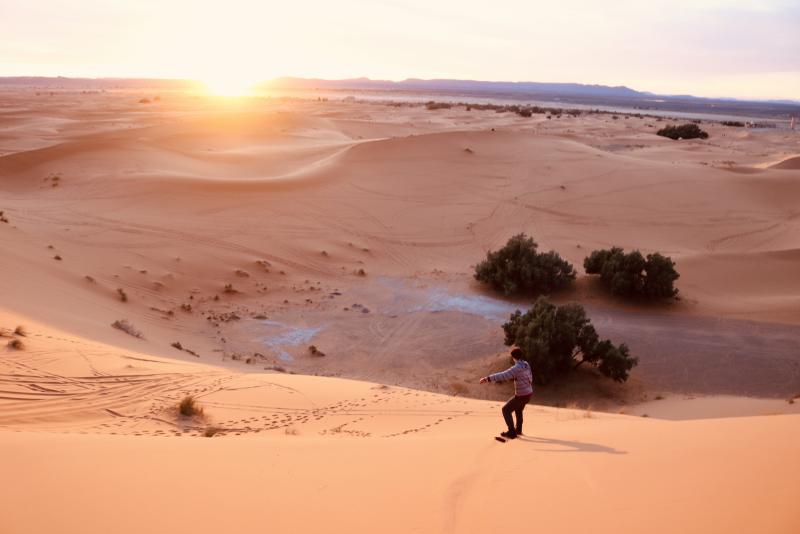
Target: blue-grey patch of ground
[(282, 336)]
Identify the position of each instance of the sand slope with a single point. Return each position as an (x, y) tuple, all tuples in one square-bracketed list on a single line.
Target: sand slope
[(623, 474), (247, 231)]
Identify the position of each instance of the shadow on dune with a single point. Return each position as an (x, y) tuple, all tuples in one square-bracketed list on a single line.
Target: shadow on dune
[(568, 446)]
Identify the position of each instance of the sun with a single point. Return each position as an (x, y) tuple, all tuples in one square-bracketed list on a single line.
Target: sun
[(226, 85)]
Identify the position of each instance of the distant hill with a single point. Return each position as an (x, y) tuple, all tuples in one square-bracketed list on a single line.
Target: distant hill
[(466, 86), (561, 94)]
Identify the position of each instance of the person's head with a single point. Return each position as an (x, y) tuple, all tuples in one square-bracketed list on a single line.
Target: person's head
[(516, 354)]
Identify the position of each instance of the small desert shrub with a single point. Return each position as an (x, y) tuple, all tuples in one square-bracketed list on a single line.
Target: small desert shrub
[(686, 131), (558, 339), (122, 295), (518, 268), (16, 344), (57, 257), (20, 331), (437, 105), (3, 217), (188, 407), (459, 388), (314, 351), (89, 279), (229, 289), (632, 275), (144, 100), (361, 272), (128, 328), (735, 124)]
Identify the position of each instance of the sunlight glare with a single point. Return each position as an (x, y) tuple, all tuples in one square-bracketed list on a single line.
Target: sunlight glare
[(226, 85)]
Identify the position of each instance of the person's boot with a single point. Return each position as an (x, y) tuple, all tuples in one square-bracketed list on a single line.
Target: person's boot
[(509, 435), (519, 431)]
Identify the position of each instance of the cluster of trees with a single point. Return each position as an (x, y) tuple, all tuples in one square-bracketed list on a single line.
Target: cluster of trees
[(632, 274), (686, 131), (558, 339), (520, 269)]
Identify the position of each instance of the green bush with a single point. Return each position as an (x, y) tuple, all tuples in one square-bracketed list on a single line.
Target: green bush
[(558, 339), (631, 274), (686, 131), (518, 268)]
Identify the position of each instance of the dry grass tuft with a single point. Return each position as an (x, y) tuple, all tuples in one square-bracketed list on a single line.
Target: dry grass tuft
[(122, 295), (211, 431), (459, 389), (128, 328), (188, 407), (90, 279), (20, 331), (57, 257), (16, 344), (314, 351), (179, 346), (229, 289)]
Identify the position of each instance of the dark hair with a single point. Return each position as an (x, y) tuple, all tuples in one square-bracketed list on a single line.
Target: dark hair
[(517, 354)]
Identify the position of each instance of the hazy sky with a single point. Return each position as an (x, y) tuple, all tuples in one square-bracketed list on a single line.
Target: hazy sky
[(705, 47)]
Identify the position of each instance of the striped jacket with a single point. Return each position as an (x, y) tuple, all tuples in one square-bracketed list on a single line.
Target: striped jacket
[(521, 374)]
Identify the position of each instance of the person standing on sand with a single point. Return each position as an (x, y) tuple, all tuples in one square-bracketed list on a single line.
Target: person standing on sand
[(522, 376)]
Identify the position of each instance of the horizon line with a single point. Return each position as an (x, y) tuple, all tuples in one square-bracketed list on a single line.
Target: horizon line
[(407, 79)]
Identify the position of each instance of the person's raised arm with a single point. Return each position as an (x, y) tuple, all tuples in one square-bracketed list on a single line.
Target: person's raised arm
[(508, 374)]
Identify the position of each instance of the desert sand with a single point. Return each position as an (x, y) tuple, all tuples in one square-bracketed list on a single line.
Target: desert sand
[(246, 230)]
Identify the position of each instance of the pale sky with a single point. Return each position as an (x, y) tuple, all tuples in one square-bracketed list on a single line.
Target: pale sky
[(746, 49)]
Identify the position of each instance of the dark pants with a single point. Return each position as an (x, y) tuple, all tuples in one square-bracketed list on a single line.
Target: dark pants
[(516, 405)]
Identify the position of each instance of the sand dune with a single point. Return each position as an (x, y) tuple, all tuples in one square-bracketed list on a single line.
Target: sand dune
[(789, 164), (97, 429), (246, 232)]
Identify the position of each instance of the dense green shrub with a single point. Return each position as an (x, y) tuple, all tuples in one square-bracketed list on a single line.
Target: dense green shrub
[(687, 131), (518, 268), (557, 339), (632, 275)]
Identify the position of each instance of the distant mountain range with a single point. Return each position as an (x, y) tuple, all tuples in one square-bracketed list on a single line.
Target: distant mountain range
[(561, 94), (465, 86)]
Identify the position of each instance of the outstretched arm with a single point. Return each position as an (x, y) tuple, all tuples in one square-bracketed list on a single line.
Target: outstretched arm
[(508, 374)]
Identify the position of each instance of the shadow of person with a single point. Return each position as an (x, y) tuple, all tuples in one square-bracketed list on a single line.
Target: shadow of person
[(561, 445)]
